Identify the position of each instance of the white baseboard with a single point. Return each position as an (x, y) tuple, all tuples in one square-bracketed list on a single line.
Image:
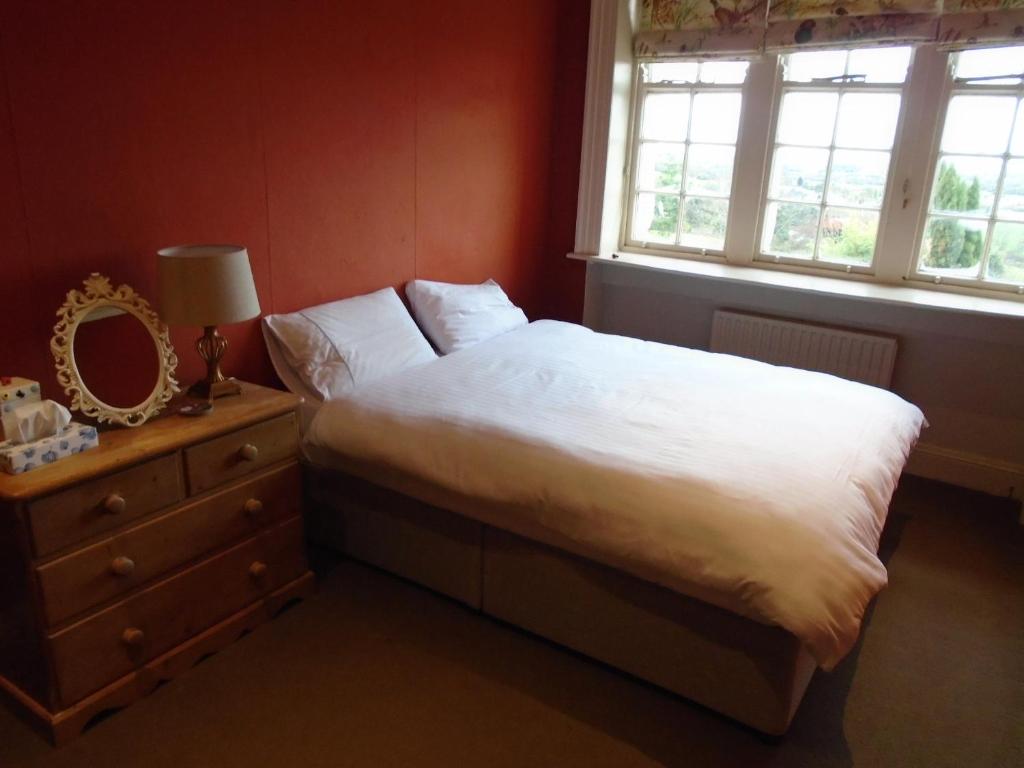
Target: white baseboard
[(968, 470)]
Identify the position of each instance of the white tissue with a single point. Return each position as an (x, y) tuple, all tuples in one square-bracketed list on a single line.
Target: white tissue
[(33, 421)]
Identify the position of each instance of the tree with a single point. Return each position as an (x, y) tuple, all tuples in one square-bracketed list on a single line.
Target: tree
[(947, 243), (795, 228), (666, 207), (703, 216), (666, 214), (950, 192), (974, 196), (857, 243), (951, 245)]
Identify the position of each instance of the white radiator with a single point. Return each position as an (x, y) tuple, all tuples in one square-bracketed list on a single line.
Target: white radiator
[(854, 355)]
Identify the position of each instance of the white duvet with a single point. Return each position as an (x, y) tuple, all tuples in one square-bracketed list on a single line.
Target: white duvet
[(759, 488)]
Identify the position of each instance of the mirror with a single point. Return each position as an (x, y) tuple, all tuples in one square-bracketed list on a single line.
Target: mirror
[(116, 356), (113, 355)]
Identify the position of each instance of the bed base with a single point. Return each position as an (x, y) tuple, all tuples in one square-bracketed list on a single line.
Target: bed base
[(751, 672)]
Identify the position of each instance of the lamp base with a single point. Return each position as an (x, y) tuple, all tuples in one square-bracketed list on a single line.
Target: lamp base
[(211, 346), (205, 390)]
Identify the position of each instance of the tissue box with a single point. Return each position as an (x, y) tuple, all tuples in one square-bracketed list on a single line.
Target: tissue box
[(74, 438)]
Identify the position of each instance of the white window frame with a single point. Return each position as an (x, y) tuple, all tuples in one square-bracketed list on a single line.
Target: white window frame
[(902, 217), (842, 87), (640, 90), (950, 88)]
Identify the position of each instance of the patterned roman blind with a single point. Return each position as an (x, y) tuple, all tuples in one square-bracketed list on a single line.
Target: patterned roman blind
[(701, 27), (709, 28), (821, 24), (967, 23)]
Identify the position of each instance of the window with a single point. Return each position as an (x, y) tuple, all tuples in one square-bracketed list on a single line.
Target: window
[(836, 126), (688, 116), (974, 232), (887, 163)]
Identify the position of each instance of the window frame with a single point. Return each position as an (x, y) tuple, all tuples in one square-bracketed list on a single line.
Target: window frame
[(761, 256), (949, 89), (636, 140), (903, 214)]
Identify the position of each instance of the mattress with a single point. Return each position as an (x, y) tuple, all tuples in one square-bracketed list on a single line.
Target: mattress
[(760, 489)]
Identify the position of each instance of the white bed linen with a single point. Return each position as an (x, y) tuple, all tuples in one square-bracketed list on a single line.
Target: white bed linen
[(457, 316), (333, 348), (709, 474)]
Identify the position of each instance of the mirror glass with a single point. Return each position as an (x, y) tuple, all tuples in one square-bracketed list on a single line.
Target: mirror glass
[(116, 357)]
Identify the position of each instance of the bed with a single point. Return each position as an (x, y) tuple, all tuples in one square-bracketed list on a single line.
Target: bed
[(707, 523)]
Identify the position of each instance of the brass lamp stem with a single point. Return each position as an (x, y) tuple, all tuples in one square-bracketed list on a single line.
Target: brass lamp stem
[(211, 347)]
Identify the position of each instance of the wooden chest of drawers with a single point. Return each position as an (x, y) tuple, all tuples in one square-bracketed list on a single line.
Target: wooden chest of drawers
[(122, 566)]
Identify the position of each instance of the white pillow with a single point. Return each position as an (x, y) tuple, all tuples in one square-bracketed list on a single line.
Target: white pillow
[(282, 365), (458, 316), (336, 347)]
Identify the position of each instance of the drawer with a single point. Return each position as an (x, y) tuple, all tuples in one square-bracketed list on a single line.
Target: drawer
[(114, 566), (239, 453), (103, 504), (110, 644)]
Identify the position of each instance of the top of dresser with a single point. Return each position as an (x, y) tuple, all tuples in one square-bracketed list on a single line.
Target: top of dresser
[(122, 447)]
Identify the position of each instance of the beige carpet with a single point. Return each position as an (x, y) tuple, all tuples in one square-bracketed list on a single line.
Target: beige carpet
[(374, 671)]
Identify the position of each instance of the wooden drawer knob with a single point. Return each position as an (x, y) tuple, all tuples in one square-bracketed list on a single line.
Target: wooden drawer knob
[(253, 507), (114, 504), (257, 570), (133, 637), (122, 566), (248, 452)]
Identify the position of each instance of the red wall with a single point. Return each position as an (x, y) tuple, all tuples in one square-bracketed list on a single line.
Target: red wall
[(347, 145)]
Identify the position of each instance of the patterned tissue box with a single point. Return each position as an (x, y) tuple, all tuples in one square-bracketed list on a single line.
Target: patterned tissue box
[(74, 438)]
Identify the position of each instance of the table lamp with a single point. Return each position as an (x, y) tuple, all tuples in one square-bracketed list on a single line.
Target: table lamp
[(207, 285)]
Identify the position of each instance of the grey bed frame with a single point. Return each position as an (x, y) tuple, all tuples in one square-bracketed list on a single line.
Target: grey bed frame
[(751, 672)]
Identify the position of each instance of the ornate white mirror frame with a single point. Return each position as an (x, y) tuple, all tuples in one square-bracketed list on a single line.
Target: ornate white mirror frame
[(77, 306)]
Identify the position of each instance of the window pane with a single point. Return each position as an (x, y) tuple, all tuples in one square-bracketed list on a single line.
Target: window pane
[(868, 120), (1011, 201), (985, 62), (1006, 256), (674, 72), (807, 118), (704, 222), (799, 174), (1017, 142), (716, 117), (709, 169), (790, 229), (953, 246), (655, 217), (880, 65), (858, 178), (966, 184), (724, 71), (660, 167), (978, 124), (665, 116), (848, 236), (804, 67)]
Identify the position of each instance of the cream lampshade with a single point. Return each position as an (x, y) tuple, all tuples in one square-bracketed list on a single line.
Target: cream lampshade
[(207, 285)]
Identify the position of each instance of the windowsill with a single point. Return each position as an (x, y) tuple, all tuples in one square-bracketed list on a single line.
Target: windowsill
[(832, 286)]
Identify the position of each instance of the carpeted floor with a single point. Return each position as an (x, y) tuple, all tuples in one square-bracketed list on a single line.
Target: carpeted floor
[(377, 672)]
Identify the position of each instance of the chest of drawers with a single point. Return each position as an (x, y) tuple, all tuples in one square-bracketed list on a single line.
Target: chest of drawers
[(123, 566)]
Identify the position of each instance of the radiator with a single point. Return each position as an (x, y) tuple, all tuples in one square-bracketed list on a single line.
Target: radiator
[(863, 357)]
